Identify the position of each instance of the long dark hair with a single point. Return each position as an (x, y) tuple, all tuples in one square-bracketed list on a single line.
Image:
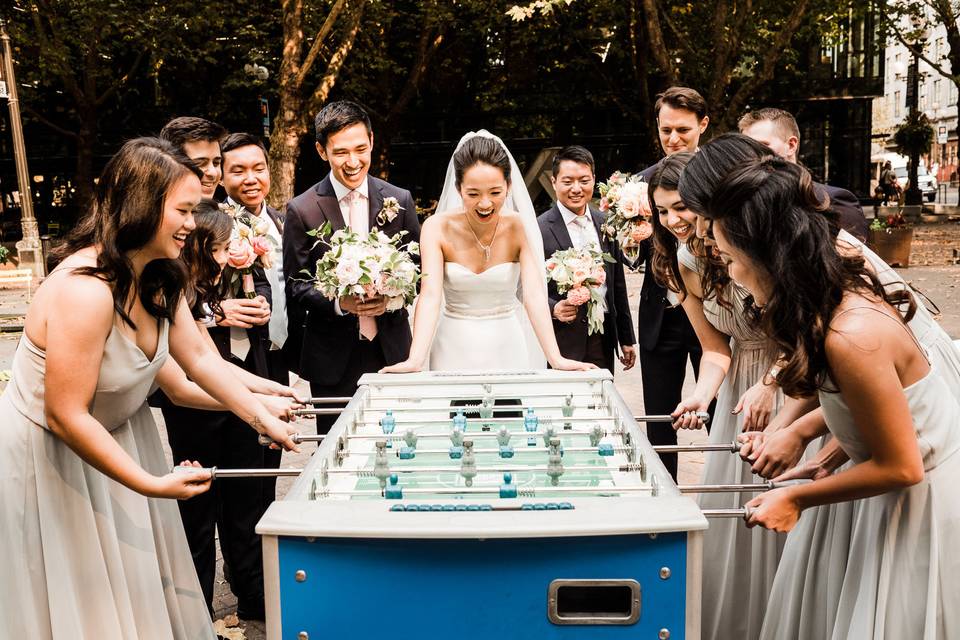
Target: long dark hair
[(770, 210), (666, 270), (205, 286), (125, 215)]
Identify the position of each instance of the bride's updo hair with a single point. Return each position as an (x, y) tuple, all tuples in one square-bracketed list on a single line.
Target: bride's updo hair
[(480, 150)]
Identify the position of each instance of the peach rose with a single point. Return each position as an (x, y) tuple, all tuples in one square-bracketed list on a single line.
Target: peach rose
[(578, 295), (640, 231), (599, 275), (240, 254)]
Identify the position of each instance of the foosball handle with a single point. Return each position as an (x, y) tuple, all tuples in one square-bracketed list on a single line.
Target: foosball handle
[(704, 417), (266, 440), (194, 470), (747, 513)]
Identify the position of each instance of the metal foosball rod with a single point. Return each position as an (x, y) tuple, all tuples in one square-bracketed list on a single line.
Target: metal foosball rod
[(738, 488), (739, 512), (732, 447), (318, 412), (216, 472), (468, 396), (490, 420), (370, 473), (332, 400)]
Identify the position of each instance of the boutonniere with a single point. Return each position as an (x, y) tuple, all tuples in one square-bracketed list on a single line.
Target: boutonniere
[(391, 209)]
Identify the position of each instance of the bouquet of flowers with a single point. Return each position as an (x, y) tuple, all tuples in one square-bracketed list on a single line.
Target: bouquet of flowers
[(579, 274), (367, 266), (250, 246), (624, 197)]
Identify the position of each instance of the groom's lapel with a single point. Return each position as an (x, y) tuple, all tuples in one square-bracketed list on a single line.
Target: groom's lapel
[(329, 205), (597, 218), (375, 199), (558, 229)]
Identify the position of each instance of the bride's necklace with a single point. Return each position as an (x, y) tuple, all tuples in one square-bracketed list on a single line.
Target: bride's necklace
[(484, 248)]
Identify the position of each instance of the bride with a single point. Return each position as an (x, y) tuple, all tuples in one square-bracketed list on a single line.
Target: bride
[(477, 254)]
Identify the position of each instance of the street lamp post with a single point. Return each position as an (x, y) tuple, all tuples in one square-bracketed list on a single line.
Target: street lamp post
[(29, 248), (913, 195)]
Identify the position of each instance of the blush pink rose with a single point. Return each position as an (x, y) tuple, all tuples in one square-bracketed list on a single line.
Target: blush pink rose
[(599, 275), (578, 295), (240, 254), (261, 246)]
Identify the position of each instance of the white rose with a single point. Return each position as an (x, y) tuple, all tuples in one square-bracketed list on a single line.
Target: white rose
[(395, 303), (348, 271)]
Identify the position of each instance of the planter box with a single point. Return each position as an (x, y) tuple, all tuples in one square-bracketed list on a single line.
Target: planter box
[(892, 245)]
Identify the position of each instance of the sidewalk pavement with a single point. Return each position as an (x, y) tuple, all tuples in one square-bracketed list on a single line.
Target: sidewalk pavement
[(941, 284)]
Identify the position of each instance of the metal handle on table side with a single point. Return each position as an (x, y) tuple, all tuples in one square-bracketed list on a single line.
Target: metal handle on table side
[(703, 415), (738, 488), (297, 438), (318, 412), (739, 512), (732, 447), (239, 473), (333, 400)]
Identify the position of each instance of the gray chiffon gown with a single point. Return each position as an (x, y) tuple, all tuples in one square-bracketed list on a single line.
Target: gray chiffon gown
[(739, 564), (83, 557), (812, 583)]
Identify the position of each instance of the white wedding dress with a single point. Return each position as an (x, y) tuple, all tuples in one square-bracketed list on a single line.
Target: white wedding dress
[(480, 325), (483, 325)]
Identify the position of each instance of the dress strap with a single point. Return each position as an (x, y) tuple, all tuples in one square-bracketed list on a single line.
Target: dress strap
[(903, 324)]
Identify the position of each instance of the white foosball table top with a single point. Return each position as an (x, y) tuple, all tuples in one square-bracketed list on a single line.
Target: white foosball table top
[(626, 491)]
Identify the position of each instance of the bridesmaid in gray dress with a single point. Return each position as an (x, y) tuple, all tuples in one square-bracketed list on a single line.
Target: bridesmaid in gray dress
[(885, 399), (739, 564), (90, 551)]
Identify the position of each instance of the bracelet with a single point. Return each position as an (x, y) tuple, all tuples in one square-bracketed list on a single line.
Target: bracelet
[(771, 375)]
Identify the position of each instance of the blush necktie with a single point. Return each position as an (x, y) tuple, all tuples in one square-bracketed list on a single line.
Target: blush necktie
[(358, 223)]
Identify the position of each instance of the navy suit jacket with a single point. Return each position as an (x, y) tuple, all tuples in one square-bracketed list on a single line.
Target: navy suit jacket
[(617, 323), (325, 340)]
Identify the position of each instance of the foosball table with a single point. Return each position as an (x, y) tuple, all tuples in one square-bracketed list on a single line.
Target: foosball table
[(488, 505)]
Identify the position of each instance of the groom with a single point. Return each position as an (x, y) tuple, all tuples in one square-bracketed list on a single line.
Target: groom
[(342, 339), (571, 223)]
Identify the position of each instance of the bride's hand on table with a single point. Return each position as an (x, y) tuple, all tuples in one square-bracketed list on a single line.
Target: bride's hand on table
[(407, 366), (566, 364)]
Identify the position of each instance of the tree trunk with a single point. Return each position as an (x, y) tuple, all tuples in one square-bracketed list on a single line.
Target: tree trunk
[(288, 130)]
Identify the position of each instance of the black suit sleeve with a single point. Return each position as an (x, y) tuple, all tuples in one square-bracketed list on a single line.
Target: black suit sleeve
[(621, 299), (296, 258), (849, 212)]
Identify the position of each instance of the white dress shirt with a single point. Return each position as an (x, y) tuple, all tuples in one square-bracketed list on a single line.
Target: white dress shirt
[(581, 236), (278, 302), (343, 198)]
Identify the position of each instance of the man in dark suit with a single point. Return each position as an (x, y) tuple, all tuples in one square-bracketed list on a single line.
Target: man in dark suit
[(778, 130), (343, 339), (246, 179), (571, 222), (667, 339)]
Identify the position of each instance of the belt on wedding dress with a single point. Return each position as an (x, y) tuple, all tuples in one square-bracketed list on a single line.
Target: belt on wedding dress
[(493, 314)]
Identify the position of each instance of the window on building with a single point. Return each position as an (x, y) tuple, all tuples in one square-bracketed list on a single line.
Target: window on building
[(953, 94), (896, 104)]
